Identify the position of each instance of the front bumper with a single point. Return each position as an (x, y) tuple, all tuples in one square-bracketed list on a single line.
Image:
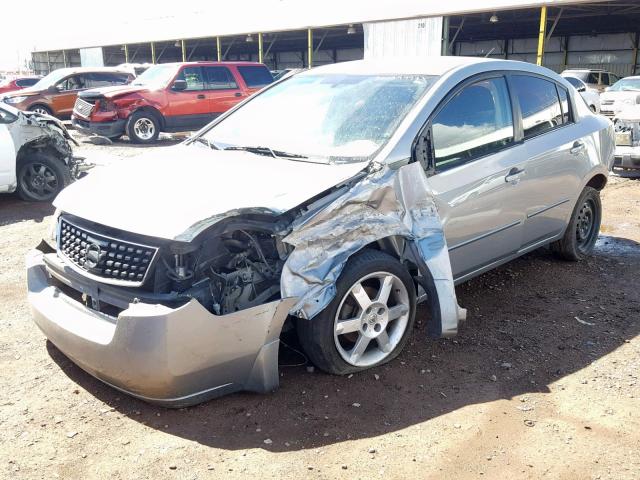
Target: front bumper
[(169, 356), (105, 129), (626, 157)]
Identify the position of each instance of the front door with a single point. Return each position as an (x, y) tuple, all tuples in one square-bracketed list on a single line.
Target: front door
[(188, 109), (62, 102), (478, 172)]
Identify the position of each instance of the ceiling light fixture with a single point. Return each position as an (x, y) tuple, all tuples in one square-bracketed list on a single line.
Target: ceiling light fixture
[(249, 38), (494, 18), (177, 44), (351, 30)]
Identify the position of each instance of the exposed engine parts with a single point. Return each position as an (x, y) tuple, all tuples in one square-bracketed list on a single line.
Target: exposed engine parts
[(226, 273)]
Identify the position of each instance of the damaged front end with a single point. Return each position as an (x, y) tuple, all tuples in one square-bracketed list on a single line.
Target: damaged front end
[(627, 131), (177, 321)]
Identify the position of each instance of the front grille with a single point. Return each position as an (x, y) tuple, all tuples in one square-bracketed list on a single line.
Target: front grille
[(606, 102), (608, 113), (111, 260), (82, 108)]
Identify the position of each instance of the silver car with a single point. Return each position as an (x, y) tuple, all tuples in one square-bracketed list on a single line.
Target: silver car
[(332, 203)]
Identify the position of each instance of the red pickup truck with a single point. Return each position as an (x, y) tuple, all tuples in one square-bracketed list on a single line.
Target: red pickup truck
[(169, 97)]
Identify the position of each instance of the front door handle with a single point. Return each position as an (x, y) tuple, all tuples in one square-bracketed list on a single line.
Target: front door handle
[(514, 175), (200, 97), (238, 94)]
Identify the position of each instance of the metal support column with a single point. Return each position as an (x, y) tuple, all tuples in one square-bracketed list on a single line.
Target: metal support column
[(310, 47), (444, 47), (219, 49), (64, 58), (48, 63), (126, 53), (184, 50), (542, 34), (636, 46), (259, 48), (153, 52)]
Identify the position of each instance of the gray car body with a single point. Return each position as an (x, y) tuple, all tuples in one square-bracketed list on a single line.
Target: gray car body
[(454, 225)]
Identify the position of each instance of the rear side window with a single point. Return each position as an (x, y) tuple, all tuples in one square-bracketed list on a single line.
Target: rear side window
[(26, 82), (104, 79), (218, 78), (539, 104), (193, 77), (257, 76), (605, 78), (477, 121)]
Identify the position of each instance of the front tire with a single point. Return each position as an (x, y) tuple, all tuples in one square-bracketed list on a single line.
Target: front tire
[(143, 127), (41, 177), (42, 109), (368, 322), (582, 232)]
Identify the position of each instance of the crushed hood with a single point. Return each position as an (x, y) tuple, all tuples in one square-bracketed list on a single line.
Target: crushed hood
[(178, 191), (112, 92)]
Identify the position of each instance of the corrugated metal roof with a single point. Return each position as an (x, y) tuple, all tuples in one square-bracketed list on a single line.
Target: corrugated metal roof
[(268, 16)]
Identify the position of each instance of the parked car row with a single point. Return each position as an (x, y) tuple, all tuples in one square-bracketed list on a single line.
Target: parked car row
[(330, 203)]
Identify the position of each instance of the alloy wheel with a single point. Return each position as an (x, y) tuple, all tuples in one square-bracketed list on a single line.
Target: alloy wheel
[(40, 181), (371, 319), (585, 226), (144, 128)]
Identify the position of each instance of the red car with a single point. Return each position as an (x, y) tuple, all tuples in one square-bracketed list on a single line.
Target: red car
[(169, 97), (18, 84)]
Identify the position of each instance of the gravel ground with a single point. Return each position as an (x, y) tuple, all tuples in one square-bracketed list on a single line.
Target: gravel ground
[(541, 382)]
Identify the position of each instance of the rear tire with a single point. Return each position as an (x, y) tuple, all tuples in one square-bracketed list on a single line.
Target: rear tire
[(41, 177), (143, 127), (582, 232), (351, 334)]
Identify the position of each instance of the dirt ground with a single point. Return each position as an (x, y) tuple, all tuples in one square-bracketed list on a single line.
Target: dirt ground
[(541, 382)]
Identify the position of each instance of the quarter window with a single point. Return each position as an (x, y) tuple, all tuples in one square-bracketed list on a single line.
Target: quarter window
[(477, 121), (193, 77), (539, 104), (219, 78), (255, 77)]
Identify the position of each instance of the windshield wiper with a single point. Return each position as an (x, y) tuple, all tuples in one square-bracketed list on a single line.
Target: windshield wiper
[(267, 151), (206, 142)]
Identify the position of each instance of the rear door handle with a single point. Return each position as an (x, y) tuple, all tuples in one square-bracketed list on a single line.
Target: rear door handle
[(514, 175), (578, 146), (200, 97)]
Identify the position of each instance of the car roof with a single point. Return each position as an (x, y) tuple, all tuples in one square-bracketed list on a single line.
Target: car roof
[(211, 62), (71, 70)]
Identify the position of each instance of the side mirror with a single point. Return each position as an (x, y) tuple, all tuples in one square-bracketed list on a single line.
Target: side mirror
[(179, 85), (53, 89), (582, 88)]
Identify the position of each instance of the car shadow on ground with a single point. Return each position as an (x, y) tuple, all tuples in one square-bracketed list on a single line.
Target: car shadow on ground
[(531, 323), (13, 210)]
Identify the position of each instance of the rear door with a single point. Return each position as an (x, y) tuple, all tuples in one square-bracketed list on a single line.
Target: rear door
[(7, 152), (187, 109), (223, 92), (556, 155), (478, 169)]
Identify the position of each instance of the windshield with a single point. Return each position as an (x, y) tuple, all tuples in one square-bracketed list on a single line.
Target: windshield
[(50, 80), (626, 85), (333, 117), (157, 75)]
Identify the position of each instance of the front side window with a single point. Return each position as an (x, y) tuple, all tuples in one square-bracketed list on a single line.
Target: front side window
[(255, 76), (475, 122), (604, 77), (539, 104), (75, 82), (218, 78), (326, 117), (193, 77), (593, 78)]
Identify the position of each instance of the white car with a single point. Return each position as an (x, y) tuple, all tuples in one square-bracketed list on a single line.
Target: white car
[(590, 95), (35, 156), (620, 96)]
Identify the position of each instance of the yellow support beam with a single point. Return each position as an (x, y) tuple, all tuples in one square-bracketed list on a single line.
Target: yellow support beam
[(184, 50), (126, 53), (153, 52), (219, 48), (542, 34), (310, 47), (260, 47)]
